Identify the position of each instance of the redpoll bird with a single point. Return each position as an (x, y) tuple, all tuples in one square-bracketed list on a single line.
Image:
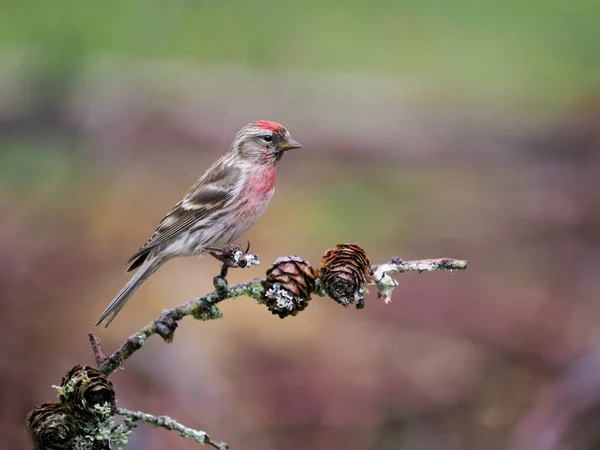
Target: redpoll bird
[(224, 203)]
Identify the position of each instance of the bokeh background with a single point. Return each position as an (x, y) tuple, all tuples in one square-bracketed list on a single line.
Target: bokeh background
[(462, 129)]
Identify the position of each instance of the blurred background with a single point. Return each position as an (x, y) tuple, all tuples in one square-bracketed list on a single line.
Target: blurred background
[(461, 129)]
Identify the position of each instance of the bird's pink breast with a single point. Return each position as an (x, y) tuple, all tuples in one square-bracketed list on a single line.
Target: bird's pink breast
[(258, 192), (263, 182), (249, 205)]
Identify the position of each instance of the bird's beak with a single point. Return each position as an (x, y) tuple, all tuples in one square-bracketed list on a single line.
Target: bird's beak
[(289, 144)]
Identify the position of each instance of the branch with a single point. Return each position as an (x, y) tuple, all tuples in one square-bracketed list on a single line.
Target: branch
[(132, 417), (204, 308), (99, 354), (83, 418), (386, 284)]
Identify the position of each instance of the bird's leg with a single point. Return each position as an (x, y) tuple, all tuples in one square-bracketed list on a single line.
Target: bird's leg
[(224, 270)]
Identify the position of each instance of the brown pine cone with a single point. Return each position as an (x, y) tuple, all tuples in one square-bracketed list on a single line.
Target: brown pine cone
[(84, 387), (345, 271), (51, 426), (288, 286)]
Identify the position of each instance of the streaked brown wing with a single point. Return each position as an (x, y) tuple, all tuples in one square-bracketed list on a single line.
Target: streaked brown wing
[(208, 195)]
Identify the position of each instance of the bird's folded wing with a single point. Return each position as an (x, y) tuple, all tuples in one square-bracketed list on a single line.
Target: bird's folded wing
[(210, 194)]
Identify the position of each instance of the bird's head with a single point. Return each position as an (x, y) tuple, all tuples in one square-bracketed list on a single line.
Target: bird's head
[(263, 142)]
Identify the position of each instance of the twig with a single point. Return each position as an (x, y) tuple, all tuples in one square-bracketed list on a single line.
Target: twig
[(99, 354), (204, 308), (170, 424), (386, 284), (421, 265)]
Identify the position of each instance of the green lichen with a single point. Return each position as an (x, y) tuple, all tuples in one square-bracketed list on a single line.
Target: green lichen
[(210, 298), (82, 443), (120, 436), (100, 426), (206, 311), (220, 283), (254, 291), (104, 411), (142, 339), (64, 391)]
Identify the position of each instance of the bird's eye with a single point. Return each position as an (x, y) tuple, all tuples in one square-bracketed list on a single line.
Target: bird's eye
[(268, 137)]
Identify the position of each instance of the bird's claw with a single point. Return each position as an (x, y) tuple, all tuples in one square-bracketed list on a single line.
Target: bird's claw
[(234, 256)]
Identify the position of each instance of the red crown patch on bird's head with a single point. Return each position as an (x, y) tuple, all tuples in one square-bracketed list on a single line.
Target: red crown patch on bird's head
[(268, 125)]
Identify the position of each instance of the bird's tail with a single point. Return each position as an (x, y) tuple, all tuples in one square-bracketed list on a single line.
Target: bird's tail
[(150, 266)]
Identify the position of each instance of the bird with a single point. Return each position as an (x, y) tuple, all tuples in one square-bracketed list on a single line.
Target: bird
[(223, 204)]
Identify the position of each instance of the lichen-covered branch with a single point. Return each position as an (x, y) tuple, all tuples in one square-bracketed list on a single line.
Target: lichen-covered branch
[(84, 417), (386, 284), (132, 417), (204, 308)]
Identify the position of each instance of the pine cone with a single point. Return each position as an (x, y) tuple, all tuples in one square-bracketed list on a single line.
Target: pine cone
[(345, 271), (84, 387), (51, 426), (288, 286)]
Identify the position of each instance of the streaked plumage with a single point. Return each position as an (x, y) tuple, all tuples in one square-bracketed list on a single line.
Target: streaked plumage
[(223, 204)]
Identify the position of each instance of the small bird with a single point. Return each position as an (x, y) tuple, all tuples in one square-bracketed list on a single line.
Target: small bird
[(223, 204)]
